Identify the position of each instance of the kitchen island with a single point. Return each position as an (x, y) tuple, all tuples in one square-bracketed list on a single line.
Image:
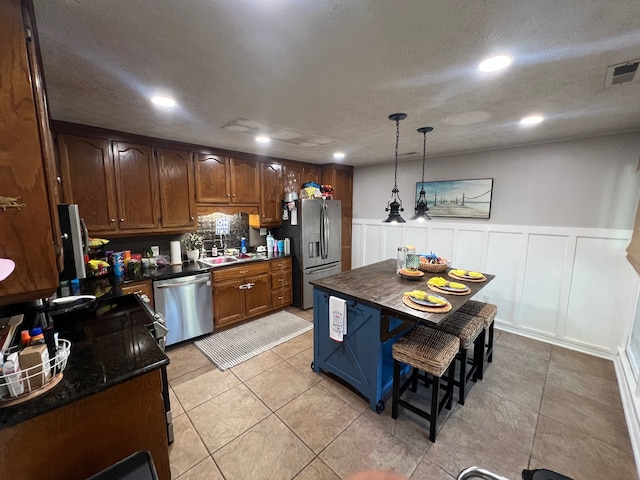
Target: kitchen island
[(376, 318), (107, 406)]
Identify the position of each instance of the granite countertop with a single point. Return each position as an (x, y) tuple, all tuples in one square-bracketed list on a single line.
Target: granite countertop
[(109, 285), (94, 365), (380, 286), (192, 268)]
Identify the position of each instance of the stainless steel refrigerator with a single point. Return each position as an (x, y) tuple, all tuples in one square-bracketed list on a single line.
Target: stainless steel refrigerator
[(315, 244)]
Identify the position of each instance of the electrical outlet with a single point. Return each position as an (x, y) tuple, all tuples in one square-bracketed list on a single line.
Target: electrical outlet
[(263, 231)]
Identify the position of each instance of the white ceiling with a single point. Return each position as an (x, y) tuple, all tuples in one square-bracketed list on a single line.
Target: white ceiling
[(333, 70)]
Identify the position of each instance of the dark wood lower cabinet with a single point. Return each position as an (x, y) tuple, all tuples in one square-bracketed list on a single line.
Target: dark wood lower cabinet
[(248, 290), (80, 439)]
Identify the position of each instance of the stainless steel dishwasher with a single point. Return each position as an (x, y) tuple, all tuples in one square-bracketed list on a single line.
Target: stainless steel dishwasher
[(186, 303)]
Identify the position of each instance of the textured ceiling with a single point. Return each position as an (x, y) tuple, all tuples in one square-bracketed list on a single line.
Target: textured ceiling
[(333, 70)]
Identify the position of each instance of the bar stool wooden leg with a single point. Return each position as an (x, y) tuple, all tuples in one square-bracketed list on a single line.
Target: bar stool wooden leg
[(435, 393), (463, 376), (451, 378), (490, 343), (478, 355)]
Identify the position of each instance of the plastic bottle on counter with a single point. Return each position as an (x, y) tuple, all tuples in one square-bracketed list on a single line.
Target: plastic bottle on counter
[(287, 246), (270, 242), (37, 337), (243, 246)]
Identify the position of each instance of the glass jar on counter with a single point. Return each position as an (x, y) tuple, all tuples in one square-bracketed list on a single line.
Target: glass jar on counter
[(401, 259)]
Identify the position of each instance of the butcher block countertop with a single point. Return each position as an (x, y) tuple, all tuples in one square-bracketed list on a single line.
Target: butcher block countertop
[(380, 286)]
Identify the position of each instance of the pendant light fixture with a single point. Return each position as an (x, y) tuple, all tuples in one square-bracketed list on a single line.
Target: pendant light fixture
[(394, 205), (421, 205)]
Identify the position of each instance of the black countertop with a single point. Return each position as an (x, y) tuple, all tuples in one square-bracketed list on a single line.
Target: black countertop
[(109, 285), (94, 365)]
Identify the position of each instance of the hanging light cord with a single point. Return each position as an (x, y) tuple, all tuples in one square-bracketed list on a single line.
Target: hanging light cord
[(395, 173), (424, 153)]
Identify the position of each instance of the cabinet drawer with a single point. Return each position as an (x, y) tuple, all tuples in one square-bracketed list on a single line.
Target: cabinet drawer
[(281, 297), (139, 288), (241, 271), (280, 279), (280, 263)]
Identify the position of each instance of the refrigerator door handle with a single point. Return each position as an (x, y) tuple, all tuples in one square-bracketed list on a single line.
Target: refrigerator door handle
[(321, 231), (316, 270), (326, 232)]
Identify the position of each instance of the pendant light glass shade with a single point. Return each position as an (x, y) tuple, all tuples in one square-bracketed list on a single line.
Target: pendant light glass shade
[(394, 205), (421, 205)]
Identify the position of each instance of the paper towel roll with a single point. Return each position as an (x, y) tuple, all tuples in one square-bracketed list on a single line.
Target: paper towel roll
[(176, 254)]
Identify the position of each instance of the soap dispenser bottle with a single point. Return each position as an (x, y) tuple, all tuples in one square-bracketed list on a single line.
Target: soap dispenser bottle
[(270, 242), (243, 245)]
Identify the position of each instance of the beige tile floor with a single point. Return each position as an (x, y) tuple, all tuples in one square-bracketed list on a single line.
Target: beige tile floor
[(539, 406)]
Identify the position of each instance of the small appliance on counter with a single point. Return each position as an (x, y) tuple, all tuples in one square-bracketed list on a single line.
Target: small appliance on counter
[(75, 242)]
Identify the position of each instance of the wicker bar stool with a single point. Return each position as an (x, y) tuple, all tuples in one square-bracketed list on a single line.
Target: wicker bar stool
[(470, 330), (488, 312), (432, 351)]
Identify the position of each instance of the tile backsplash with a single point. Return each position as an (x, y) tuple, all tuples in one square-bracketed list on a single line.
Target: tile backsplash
[(238, 228)]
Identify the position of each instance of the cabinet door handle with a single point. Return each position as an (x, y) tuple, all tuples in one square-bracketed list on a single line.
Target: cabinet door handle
[(244, 286), (113, 220), (280, 298), (228, 194), (263, 215), (234, 195), (281, 264), (250, 285), (192, 217), (281, 280), (244, 271), (122, 219)]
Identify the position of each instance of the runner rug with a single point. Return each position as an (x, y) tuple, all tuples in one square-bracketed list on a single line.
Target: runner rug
[(230, 347)]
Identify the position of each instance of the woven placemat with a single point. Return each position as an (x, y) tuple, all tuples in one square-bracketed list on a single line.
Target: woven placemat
[(479, 279), (423, 308), (447, 292)]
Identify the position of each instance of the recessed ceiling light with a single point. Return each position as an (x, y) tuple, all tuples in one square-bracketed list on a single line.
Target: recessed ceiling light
[(262, 139), (532, 120), (163, 101), (338, 155), (496, 63)]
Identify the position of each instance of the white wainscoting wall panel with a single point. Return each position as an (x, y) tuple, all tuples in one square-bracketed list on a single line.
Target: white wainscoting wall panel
[(541, 306), (567, 286)]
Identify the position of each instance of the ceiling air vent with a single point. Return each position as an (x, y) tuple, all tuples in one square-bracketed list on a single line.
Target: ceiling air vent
[(622, 73)]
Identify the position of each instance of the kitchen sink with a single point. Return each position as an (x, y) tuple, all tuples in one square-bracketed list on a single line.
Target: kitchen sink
[(213, 261)]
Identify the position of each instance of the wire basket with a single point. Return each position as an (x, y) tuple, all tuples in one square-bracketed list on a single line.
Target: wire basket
[(24, 384), (433, 267)]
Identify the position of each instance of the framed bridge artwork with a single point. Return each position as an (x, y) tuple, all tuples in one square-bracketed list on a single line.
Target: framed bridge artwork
[(458, 198)]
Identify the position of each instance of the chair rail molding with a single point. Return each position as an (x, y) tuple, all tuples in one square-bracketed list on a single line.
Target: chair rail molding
[(571, 287)]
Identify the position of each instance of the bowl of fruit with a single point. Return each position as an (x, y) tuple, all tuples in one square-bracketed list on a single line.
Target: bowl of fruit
[(432, 263)]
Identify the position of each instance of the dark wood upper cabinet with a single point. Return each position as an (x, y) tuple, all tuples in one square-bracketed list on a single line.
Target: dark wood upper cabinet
[(136, 186), (340, 177), (29, 234), (310, 173), (245, 181), (213, 179), (86, 172), (271, 195), (294, 175), (177, 200)]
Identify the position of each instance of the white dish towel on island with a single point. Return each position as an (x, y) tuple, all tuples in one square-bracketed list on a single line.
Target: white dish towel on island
[(337, 318)]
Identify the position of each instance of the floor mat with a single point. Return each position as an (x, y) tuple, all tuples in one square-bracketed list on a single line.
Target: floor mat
[(238, 344)]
